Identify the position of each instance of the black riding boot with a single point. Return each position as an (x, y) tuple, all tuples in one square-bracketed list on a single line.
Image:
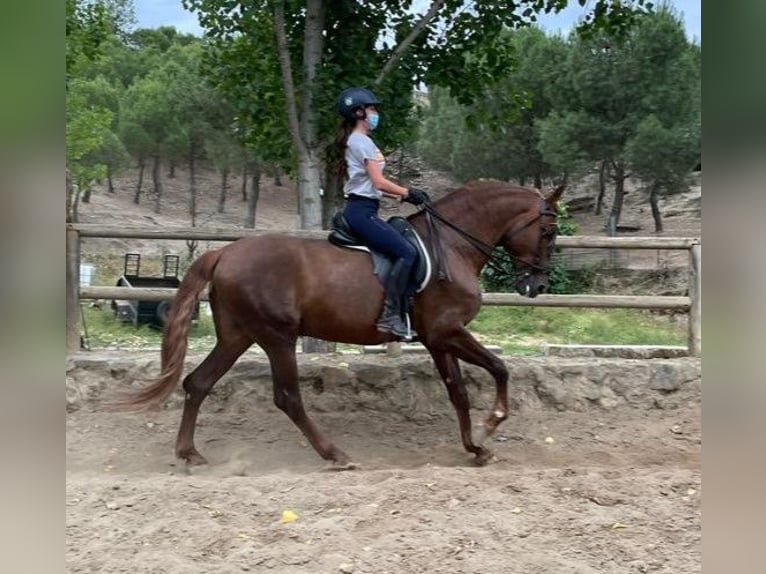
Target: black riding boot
[(391, 319)]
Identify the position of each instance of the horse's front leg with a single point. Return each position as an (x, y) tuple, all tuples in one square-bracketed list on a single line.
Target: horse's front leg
[(449, 369), (460, 344)]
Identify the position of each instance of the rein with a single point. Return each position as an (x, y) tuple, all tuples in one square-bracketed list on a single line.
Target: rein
[(485, 248)]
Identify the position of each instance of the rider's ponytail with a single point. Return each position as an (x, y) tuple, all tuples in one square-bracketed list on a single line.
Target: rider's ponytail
[(341, 143)]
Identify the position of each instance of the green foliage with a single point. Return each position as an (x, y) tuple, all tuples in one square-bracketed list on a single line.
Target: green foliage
[(642, 86), (561, 145), (111, 154), (87, 131), (147, 108), (664, 156), (89, 23), (498, 135)]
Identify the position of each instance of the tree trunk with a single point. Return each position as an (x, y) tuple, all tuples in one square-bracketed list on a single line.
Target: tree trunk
[(76, 205), (252, 198), (522, 181), (224, 185), (602, 173), (305, 132), (110, 183), (192, 189), (277, 176), (619, 193), (69, 198), (244, 183), (538, 181), (172, 172), (157, 184), (141, 166), (86, 195), (653, 197), (309, 198), (333, 199)]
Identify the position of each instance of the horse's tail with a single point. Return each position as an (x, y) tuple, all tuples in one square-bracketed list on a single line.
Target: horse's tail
[(174, 339)]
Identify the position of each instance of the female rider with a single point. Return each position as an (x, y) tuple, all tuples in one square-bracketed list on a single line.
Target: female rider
[(364, 187)]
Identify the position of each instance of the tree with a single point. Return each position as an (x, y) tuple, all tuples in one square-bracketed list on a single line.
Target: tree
[(663, 157), (225, 153), (614, 85), (99, 93), (87, 129), (453, 44), (149, 112), (89, 23), (139, 144), (498, 135), (193, 105)]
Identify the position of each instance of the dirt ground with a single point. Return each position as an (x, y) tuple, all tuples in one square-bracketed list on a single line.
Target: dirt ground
[(602, 491)]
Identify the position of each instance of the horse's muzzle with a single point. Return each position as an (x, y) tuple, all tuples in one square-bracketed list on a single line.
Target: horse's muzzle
[(531, 285)]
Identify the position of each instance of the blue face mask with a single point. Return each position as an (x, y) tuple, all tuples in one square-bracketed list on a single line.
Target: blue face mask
[(372, 121)]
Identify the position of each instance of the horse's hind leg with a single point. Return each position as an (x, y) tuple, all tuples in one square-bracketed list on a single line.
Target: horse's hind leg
[(197, 385), (287, 397)]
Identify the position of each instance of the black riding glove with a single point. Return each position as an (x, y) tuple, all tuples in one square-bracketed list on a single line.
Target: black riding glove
[(416, 196)]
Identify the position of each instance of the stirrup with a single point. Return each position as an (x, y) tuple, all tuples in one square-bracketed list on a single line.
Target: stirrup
[(396, 327)]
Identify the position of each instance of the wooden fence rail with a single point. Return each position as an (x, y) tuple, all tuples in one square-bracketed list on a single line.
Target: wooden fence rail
[(691, 304)]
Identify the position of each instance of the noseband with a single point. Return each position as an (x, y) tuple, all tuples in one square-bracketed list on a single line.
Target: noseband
[(547, 230)]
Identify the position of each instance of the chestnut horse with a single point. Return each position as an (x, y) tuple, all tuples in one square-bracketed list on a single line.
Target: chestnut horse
[(272, 289)]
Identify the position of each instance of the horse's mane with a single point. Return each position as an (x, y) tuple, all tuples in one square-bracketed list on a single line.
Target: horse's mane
[(477, 190)]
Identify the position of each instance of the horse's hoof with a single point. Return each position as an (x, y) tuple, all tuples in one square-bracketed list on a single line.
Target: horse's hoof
[(485, 458), (348, 465), (193, 458)]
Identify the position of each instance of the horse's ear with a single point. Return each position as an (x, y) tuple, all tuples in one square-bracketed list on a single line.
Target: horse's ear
[(554, 196)]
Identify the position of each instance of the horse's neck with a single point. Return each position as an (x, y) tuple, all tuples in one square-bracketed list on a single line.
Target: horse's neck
[(487, 214)]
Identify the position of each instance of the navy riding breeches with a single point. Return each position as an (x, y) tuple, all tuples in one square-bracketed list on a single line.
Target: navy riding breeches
[(362, 215)]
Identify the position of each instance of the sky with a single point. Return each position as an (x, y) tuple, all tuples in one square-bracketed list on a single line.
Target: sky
[(155, 13)]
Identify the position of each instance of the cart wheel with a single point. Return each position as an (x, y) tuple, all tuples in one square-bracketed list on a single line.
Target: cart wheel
[(162, 311)]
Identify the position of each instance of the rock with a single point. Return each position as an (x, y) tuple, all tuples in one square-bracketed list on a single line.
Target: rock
[(608, 399), (346, 568), (664, 379)]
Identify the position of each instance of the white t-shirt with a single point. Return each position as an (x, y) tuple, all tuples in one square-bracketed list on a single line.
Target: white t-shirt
[(361, 148)]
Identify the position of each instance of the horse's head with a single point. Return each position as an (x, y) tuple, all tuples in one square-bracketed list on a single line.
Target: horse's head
[(530, 242)]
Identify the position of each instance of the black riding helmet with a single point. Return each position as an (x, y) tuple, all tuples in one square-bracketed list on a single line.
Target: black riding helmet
[(352, 98)]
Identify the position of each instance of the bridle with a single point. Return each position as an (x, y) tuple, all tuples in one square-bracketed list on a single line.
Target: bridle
[(548, 231)]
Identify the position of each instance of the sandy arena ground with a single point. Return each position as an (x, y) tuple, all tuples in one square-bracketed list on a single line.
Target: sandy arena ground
[(610, 491)]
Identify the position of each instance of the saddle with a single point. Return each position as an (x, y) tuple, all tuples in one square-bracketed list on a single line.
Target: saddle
[(342, 236)]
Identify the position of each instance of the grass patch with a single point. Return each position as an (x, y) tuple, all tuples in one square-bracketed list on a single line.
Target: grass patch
[(105, 332), (518, 330), (523, 330)]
